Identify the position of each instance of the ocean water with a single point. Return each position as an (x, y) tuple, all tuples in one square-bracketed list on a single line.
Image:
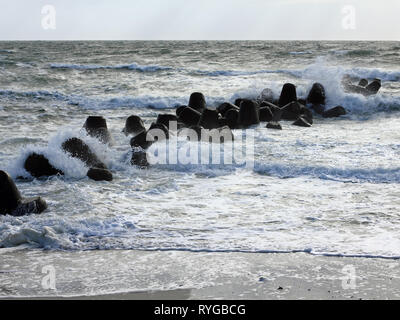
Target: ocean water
[(333, 189)]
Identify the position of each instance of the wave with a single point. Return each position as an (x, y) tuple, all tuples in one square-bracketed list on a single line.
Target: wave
[(145, 101), (229, 73), (307, 72), (72, 167), (330, 76), (298, 53), (212, 164), (63, 234), (371, 73), (353, 53), (101, 103), (310, 72), (348, 175), (33, 94), (98, 103), (119, 233), (354, 103), (7, 51), (133, 67), (18, 140)]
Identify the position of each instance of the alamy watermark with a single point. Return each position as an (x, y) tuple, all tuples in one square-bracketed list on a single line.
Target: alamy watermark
[(199, 146), (349, 280), (49, 17), (349, 21), (49, 280)]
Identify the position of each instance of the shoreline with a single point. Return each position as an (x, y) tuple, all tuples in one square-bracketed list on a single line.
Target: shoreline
[(157, 275)]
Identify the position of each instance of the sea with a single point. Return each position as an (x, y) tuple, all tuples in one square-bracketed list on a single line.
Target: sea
[(332, 189)]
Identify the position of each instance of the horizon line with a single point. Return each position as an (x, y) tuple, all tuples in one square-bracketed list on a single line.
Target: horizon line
[(216, 40)]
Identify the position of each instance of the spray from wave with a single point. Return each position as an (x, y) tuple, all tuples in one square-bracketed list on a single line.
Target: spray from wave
[(320, 71)]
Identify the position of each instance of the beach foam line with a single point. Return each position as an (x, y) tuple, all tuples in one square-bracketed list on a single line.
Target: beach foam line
[(45, 239), (308, 251)]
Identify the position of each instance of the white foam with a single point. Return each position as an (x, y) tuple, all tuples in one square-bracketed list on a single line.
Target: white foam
[(72, 167), (331, 78), (331, 189)]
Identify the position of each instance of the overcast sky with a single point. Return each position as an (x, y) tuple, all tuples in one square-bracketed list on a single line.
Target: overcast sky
[(202, 20)]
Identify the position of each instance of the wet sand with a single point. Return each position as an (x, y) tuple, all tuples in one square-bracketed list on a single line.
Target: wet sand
[(175, 275)]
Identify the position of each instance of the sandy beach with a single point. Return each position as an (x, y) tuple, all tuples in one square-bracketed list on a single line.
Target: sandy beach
[(139, 275)]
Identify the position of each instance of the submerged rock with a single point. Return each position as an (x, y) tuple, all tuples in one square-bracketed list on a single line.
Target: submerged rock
[(209, 119), (274, 125), (158, 132), (248, 114), (317, 94), (197, 101), (302, 101), (288, 95), (291, 111), (139, 158), (76, 148), (142, 140), (166, 119), (189, 116), (307, 115), (374, 86), (363, 83), (133, 125), (225, 107), (217, 135), (318, 108), (368, 90), (302, 122), (39, 166), (98, 174), (266, 95), (273, 107), (266, 114), (11, 201), (232, 118), (238, 101), (179, 110), (96, 127), (335, 112)]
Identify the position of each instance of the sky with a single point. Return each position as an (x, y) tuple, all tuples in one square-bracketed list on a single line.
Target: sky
[(200, 20)]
